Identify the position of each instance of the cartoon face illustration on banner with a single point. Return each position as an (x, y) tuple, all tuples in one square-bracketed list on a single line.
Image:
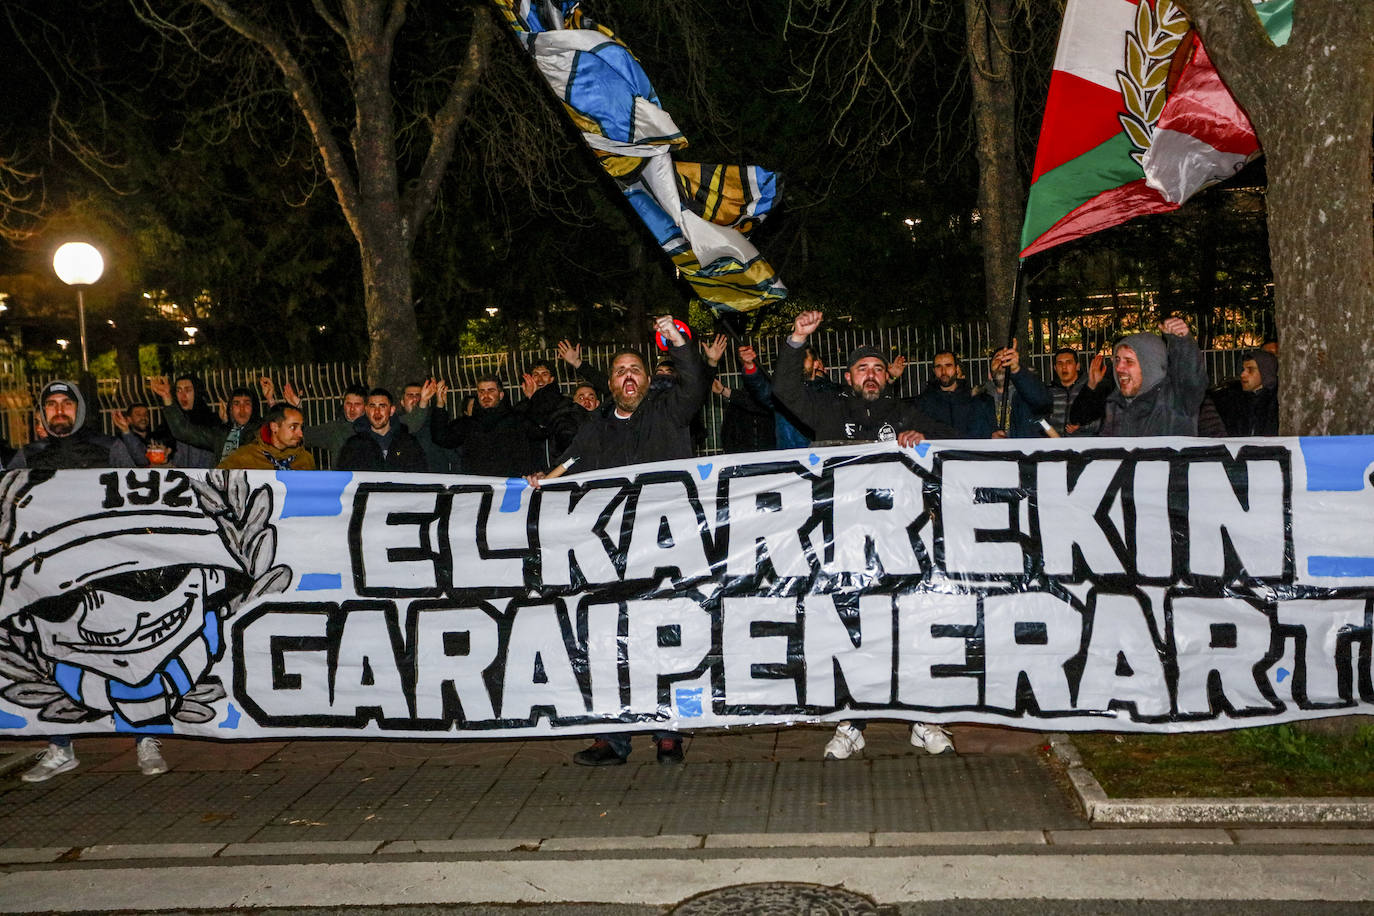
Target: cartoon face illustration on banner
[(102, 629)]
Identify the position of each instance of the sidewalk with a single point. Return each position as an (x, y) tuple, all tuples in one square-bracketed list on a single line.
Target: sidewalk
[(356, 797)]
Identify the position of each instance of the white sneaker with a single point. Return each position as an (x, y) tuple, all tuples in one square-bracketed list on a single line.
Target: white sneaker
[(931, 737), (150, 760), (846, 742), (58, 758)]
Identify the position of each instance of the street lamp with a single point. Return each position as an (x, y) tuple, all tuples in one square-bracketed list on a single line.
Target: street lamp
[(79, 264)]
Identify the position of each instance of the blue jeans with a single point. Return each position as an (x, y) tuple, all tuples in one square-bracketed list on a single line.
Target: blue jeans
[(620, 741)]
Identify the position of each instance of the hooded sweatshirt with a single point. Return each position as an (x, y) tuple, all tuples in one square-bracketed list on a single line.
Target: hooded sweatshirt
[(80, 448), (1173, 381)]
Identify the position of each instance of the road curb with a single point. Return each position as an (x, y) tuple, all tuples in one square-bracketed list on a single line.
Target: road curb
[(9, 762), (1102, 809)]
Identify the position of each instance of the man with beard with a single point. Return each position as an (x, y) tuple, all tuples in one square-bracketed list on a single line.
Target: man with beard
[(69, 444), (219, 439), (865, 411), (1160, 384), (379, 443), (950, 399), (191, 399), (496, 439), (641, 425), (1030, 399), (135, 428)]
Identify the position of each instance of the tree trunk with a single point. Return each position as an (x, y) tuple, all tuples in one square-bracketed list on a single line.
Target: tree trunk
[(1001, 197), (1312, 105)]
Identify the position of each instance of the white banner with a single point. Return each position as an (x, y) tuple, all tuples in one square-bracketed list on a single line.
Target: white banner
[(1133, 585)]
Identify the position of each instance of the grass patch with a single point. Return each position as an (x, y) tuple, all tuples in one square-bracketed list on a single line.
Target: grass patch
[(1271, 761)]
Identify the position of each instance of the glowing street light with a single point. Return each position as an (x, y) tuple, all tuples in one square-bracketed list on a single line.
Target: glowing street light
[(79, 264)]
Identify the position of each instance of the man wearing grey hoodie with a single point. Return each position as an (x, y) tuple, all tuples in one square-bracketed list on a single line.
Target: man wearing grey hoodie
[(69, 443), (1160, 383)]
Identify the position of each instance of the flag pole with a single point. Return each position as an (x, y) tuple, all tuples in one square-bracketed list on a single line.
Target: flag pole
[(1018, 294)]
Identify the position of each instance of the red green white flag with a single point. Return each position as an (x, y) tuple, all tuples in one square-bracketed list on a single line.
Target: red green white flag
[(1136, 122)]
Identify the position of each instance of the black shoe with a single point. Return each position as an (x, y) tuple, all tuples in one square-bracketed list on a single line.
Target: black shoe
[(600, 754), (669, 750)]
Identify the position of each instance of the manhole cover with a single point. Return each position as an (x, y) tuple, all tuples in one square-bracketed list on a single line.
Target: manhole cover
[(778, 899)]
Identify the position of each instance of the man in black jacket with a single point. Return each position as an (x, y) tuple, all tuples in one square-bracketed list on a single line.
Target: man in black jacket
[(641, 425), (380, 443), (69, 443), (866, 411), (497, 440), (950, 399)]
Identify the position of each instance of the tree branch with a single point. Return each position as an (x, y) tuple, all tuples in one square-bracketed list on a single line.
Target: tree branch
[(334, 24), (419, 197), (335, 163), (394, 20)]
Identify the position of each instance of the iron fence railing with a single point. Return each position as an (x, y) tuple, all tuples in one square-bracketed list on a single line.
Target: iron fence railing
[(322, 385)]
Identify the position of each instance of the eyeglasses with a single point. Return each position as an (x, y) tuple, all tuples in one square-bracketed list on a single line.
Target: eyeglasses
[(140, 585)]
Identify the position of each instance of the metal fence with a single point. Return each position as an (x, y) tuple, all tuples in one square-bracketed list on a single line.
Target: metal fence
[(321, 385)]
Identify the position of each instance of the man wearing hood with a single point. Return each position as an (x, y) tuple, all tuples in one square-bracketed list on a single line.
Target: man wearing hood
[(1249, 406), (950, 399), (1160, 383), (379, 442), (496, 439), (190, 397), (280, 447), (219, 439), (69, 444)]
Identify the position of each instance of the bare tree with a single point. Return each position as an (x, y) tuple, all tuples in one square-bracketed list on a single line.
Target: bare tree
[(21, 201), (384, 193), (1312, 105)]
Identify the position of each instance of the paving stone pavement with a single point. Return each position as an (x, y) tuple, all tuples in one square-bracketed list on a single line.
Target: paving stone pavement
[(757, 781)]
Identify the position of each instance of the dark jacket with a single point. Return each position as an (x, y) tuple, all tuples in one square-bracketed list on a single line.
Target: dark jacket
[(558, 418), (1030, 400), (746, 425), (658, 430), (83, 448), (844, 414), (970, 413), (398, 450), (496, 441), (1064, 398), (1169, 407), (1247, 413), (219, 439), (788, 431)]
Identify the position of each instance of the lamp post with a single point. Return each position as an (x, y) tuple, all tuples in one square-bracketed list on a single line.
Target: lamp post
[(79, 264)]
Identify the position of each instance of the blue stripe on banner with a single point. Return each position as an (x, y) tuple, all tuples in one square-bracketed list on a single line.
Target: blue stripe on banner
[(11, 721), (1341, 567), (316, 494), (211, 633), (122, 724), (68, 677), (316, 582), (510, 502), (1336, 463), (176, 672), (145, 691)]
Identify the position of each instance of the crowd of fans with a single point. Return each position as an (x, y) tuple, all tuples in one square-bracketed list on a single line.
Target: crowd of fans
[(635, 411)]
